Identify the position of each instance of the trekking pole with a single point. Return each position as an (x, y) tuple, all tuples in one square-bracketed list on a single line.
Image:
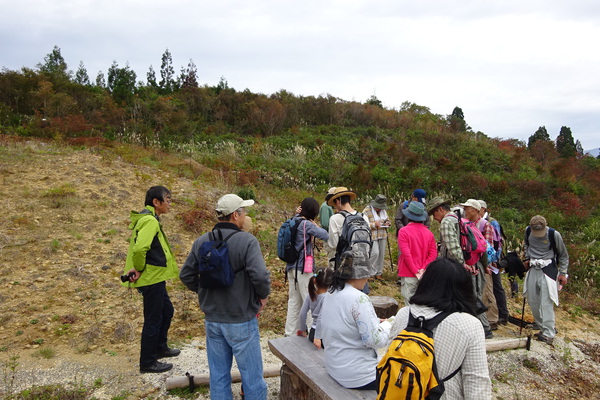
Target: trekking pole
[(390, 251), (522, 316)]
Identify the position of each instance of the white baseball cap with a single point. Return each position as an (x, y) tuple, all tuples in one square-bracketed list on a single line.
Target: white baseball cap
[(231, 202)]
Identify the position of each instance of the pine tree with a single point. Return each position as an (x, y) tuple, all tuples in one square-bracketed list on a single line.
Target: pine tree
[(81, 77), (151, 78), (189, 76), (565, 144), (167, 73), (100, 80), (540, 134)]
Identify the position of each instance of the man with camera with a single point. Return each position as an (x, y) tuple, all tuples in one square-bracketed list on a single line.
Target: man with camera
[(150, 262)]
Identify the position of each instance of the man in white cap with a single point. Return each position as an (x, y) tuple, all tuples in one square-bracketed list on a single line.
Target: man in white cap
[(482, 280), (231, 313), (547, 261)]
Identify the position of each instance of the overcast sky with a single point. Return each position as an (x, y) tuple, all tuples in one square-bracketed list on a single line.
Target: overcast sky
[(511, 65)]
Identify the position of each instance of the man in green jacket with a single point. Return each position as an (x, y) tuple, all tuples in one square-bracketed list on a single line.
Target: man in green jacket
[(150, 262)]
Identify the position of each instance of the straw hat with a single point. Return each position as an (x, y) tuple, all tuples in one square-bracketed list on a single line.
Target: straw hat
[(339, 192)]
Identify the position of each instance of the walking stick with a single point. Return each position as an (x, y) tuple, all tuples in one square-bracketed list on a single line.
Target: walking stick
[(390, 251), (522, 316)]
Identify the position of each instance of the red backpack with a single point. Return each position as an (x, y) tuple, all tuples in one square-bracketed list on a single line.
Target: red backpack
[(472, 241)]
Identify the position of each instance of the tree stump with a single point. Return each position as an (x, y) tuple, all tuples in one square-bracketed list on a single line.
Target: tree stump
[(384, 306)]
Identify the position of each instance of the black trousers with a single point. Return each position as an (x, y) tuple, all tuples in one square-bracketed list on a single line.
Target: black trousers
[(500, 297), (158, 312)]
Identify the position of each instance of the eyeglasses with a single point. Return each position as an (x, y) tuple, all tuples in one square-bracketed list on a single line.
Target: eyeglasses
[(241, 211)]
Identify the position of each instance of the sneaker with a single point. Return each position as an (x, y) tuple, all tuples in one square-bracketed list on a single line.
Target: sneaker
[(489, 335), (156, 368)]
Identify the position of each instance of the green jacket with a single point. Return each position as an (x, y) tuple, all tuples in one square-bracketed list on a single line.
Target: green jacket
[(149, 251)]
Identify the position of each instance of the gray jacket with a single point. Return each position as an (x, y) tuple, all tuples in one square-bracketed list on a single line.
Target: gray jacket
[(241, 301)]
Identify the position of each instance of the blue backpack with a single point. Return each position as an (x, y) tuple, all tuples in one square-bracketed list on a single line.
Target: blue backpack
[(286, 251), (214, 268)]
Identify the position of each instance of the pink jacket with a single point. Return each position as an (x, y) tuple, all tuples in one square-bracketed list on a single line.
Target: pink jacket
[(418, 248)]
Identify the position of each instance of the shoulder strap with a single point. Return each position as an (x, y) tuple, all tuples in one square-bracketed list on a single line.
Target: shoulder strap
[(214, 237), (429, 324), (527, 232), (552, 239)]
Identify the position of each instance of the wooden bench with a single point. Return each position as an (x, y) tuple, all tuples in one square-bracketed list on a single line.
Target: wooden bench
[(303, 374)]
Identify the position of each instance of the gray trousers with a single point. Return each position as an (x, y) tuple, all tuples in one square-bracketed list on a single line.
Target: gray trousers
[(479, 287), (538, 297), (378, 256)]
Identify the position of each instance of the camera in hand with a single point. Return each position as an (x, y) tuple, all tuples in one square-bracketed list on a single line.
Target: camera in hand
[(125, 278)]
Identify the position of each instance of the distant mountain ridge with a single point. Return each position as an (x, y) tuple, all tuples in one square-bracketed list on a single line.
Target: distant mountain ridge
[(593, 152)]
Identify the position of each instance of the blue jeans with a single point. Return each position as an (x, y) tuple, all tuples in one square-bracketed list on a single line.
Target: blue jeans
[(242, 340), (158, 312)]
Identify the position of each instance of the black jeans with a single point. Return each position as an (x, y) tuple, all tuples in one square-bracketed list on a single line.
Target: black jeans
[(500, 297), (158, 311)]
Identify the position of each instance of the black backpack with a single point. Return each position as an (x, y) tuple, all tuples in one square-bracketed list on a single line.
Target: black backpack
[(354, 246), (214, 268)]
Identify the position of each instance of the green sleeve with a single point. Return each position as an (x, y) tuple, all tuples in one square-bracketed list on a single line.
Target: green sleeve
[(147, 228)]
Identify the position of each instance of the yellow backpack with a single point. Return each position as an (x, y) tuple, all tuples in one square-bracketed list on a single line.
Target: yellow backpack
[(407, 371)]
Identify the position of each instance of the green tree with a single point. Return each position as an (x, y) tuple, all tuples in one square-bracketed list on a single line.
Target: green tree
[(151, 78), (374, 101), (565, 144), (457, 120), (167, 73), (100, 80), (55, 68), (81, 76), (189, 76), (121, 82), (540, 134)]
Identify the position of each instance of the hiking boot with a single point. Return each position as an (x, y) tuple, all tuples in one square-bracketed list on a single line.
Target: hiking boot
[(503, 321), (156, 368), (489, 335), (543, 338), (493, 326)]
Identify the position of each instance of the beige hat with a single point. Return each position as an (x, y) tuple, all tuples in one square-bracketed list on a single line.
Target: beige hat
[(483, 204), (231, 202), (339, 192), (538, 226), (472, 203)]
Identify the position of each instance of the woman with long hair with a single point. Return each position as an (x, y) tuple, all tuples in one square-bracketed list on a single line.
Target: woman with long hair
[(297, 278), (446, 286)]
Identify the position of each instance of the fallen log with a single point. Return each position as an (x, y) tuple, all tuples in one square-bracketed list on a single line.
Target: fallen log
[(204, 379), (495, 345)]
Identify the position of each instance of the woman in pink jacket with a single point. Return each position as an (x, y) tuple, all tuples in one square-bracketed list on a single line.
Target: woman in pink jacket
[(417, 249)]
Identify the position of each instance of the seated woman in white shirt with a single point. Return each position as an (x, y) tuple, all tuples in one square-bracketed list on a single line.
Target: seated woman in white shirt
[(446, 286), (350, 330)]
